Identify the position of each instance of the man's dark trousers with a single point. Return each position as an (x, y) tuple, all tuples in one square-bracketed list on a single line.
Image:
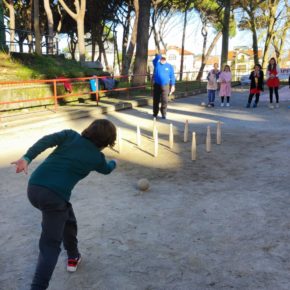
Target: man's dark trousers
[(160, 94)]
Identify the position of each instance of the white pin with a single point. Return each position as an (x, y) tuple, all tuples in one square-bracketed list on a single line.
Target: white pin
[(193, 146), (185, 135), (154, 127), (218, 133), (119, 134), (138, 136), (208, 140)]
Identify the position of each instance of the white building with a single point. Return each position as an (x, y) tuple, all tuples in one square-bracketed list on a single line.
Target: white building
[(173, 56)]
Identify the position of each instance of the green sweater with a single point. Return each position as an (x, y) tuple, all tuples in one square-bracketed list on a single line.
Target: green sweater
[(72, 160)]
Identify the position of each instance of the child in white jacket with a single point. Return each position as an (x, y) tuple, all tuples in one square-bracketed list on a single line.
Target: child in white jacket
[(212, 85)]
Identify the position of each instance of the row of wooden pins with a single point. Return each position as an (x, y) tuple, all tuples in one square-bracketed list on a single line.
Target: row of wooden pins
[(208, 141)]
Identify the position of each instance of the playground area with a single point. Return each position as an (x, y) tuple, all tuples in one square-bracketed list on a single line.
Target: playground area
[(219, 222)]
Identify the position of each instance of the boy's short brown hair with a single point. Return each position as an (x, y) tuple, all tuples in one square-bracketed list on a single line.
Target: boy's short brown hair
[(101, 132)]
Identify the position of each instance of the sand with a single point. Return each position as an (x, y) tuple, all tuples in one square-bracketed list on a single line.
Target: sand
[(220, 222)]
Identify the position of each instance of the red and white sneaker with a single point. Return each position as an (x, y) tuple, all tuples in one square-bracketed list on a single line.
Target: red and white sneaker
[(72, 264)]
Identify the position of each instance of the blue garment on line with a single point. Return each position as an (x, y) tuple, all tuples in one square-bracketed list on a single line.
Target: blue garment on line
[(93, 85)]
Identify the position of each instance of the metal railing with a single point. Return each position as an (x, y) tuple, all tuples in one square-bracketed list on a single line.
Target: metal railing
[(18, 95), (54, 92), (24, 42)]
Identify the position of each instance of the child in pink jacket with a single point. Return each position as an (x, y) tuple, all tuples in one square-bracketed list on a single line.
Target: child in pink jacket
[(225, 79)]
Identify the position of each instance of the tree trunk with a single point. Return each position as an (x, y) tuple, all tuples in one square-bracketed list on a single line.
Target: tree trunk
[(81, 38), (20, 46), (30, 43), (125, 39), (12, 25), (2, 28), (250, 8), (132, 44), (182, 46), (105, 58), (255, 38), (156, 39), (72, 45), (117, 54), (255, 45), (203, 59), (79, 17), (30, 33), (279, 43), (225, 31), (208, 53), (10, 6), (270, 33), (36, 27), (94, 36), (102, 51), (50, 24), (140, 65), (155, 32), (58, 29)]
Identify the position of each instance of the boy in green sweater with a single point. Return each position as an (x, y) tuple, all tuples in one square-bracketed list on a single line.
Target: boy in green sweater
[(50, 186)]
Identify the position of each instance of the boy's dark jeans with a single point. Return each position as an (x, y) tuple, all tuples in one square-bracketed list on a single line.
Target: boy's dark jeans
[(58, 224), (160, 94)]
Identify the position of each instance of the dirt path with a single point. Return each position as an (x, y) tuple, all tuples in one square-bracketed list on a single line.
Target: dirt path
[(221, 222)]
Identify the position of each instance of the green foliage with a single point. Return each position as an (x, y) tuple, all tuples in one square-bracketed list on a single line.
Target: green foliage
[(30, 66), (182, 6), (233, 27), (255, 10), (213, 11)]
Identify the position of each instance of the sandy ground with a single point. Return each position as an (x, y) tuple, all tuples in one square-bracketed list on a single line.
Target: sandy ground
[(220, 222)]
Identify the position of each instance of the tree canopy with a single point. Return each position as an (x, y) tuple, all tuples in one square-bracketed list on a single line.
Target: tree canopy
[(96, 24)]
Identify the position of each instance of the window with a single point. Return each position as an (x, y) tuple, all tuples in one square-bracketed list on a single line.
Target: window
[(242, 58), (172, 57)]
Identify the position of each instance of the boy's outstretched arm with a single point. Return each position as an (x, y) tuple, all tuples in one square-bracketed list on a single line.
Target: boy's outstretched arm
[(21, 165), (41, 145)]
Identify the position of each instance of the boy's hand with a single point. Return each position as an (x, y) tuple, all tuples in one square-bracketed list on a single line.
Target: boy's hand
[(21, 165)]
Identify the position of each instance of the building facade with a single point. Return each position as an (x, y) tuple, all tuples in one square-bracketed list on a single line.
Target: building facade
[(173, 56)]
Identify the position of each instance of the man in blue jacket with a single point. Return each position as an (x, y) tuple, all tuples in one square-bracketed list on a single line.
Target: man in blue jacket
[(164, 84)]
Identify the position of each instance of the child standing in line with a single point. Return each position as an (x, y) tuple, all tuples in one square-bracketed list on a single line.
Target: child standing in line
[(225, 79), (273, 82), (212, 84), (256, 86), (50, 186)]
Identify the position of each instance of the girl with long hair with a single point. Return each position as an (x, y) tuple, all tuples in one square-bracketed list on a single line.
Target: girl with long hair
[(273, 82)]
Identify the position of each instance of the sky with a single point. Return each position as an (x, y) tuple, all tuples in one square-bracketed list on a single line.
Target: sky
[(194, 39)]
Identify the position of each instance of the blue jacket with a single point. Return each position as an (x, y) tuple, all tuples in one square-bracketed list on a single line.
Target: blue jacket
[(163, 73)]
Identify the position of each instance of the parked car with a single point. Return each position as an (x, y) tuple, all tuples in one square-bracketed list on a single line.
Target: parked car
[(245, 80)]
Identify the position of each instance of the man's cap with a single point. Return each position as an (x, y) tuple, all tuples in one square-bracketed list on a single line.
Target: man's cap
[(163, 56)]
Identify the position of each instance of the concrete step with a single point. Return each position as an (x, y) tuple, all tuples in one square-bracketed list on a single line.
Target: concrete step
[(65, 113)]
